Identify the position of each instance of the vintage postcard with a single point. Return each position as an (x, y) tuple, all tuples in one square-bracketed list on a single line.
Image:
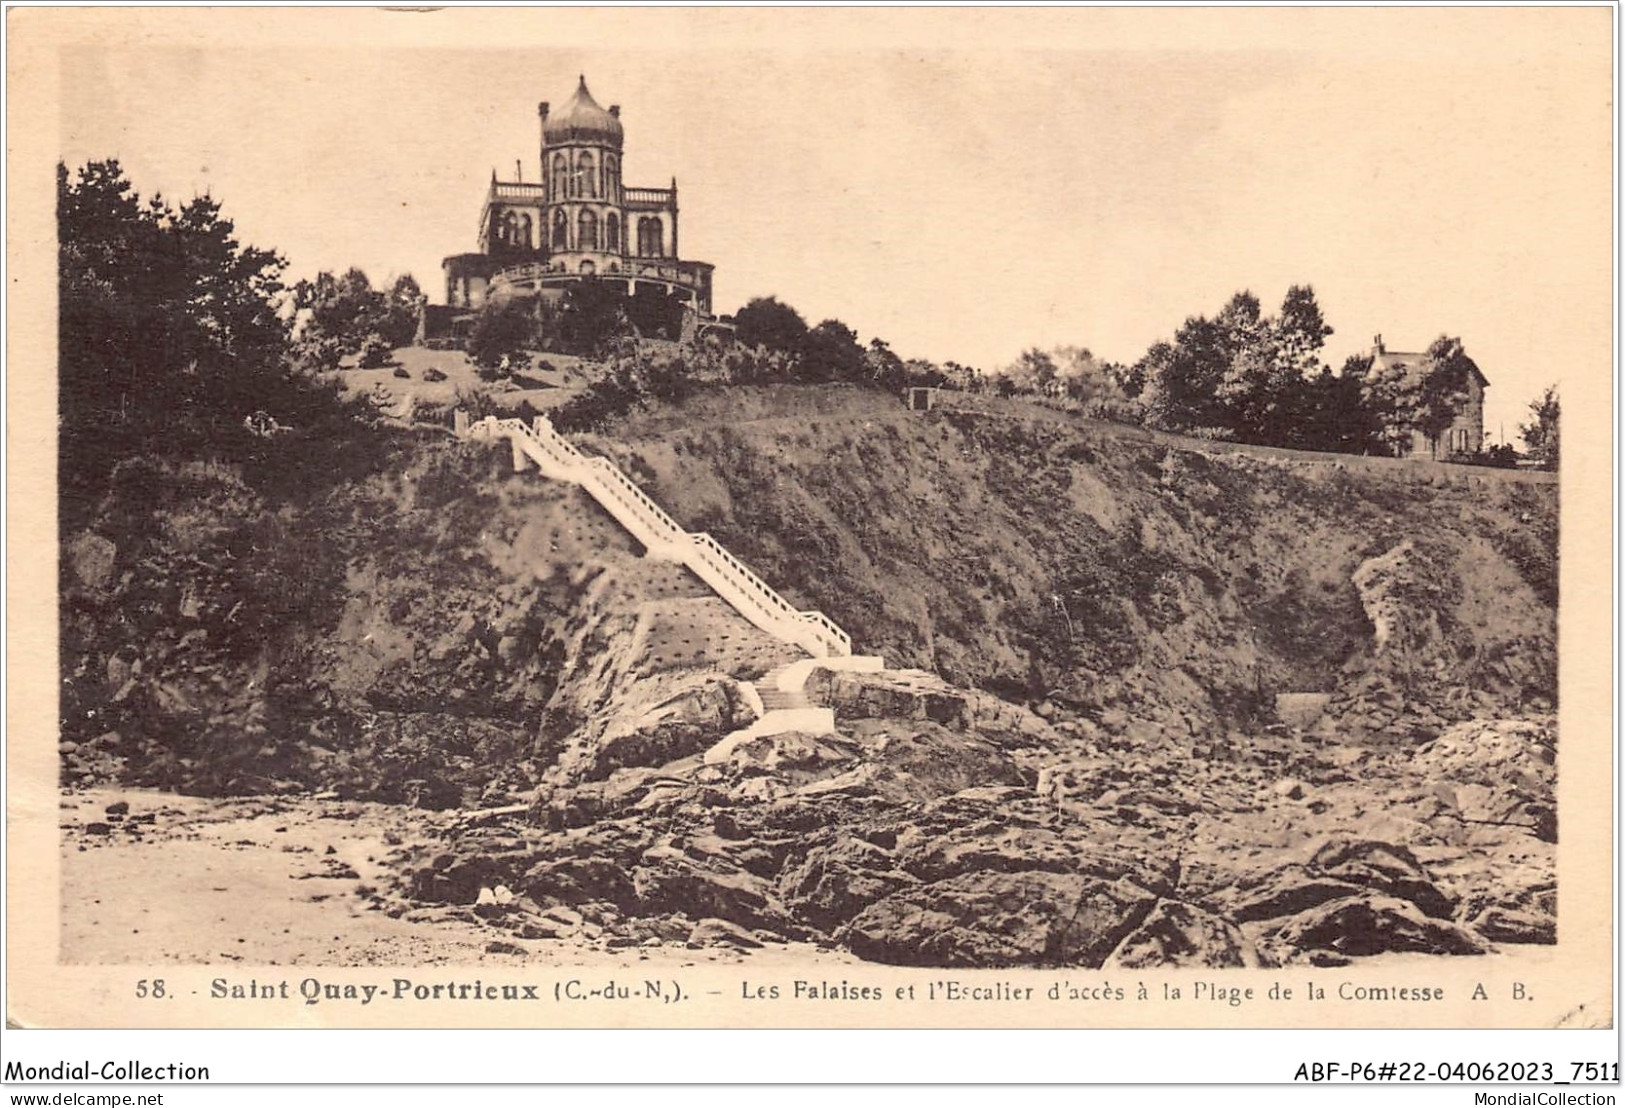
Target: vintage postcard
[(810, 518)]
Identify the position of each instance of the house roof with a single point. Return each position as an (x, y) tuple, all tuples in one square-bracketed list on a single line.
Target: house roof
[(1389, 359)]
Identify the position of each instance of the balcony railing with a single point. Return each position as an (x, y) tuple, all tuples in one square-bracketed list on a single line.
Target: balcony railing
[(649, 198), (637, 269), (527, 191)]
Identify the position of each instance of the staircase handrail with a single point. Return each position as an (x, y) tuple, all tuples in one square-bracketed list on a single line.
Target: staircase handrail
[(768, 596), (603, 479)]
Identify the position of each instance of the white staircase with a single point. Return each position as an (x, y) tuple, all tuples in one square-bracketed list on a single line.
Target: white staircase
[(775, 697), (785, 707), (539, 444)]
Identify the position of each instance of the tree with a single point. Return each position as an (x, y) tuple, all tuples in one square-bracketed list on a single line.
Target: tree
[(963, 378), (767, 322), (336, 315), (593, 316), (1334, 416), (1540, 434), (1241, 374), (1181, 391), (402, 307), (1301, 328), (830, 352), (1389, 395), (376, 352), (884, 368), (1266, 387), (654, 313), (168, 336), (501, 330), (1402, 399)]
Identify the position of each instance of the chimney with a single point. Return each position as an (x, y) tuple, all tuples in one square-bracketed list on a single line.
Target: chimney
[(518, 170), (615, 110), (1376, 345), (541, 109)]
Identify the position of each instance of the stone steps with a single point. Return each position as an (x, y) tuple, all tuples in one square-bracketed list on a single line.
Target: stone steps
[(776, 696)]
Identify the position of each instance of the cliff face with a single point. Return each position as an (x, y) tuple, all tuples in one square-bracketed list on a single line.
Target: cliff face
[(1110, 570), (439, 633), (1100, 622), (1090, 568)]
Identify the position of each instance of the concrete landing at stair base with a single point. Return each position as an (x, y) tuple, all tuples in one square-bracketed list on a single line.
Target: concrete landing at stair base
[(807, 721)]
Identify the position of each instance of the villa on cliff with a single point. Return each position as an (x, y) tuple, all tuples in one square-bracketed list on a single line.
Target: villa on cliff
[(576, 221), (1465, 435)]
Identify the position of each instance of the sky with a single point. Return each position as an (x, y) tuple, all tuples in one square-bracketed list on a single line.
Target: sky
[(963, 183)]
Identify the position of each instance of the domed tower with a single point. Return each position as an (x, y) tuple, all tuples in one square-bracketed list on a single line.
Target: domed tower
[(580, 221), (581, 169)]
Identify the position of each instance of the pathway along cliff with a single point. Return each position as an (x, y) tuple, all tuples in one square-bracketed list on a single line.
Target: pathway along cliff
[(1149, 702)]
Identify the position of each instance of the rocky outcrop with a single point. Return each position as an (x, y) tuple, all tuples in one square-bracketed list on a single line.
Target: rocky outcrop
[(688, 713), (1500, 772), (1032, 918), (1180, 934), (916, 695), (1365, 925), (916, 842)]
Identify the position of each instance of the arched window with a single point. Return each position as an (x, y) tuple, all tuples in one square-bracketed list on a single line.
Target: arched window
[(587, 230), (587, 267), (561, 173), (524, 231), (612, 177), (561, 230), (612, 233), (651, 237), (510, 229), (587, 176)]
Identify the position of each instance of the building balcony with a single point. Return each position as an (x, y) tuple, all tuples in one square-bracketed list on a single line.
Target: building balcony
[(649, 199), (519, 192), (690, 280)]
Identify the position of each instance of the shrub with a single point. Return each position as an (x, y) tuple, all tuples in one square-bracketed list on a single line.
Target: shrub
[(375, 352), (502, 330)]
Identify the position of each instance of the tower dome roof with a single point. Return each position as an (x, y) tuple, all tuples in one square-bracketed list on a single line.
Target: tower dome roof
[(581, 119)]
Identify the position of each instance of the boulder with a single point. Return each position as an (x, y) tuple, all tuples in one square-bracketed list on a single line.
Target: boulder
[(835, 882), (1497, 772), (1286, 892), (1510, 925), (674, 885), (917, 695), (792, 757), (720, 932), (92, 559), (1180, 934), (1371, 924), (1001, 919), (1384, 867), (991, 849), (686, 717)]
